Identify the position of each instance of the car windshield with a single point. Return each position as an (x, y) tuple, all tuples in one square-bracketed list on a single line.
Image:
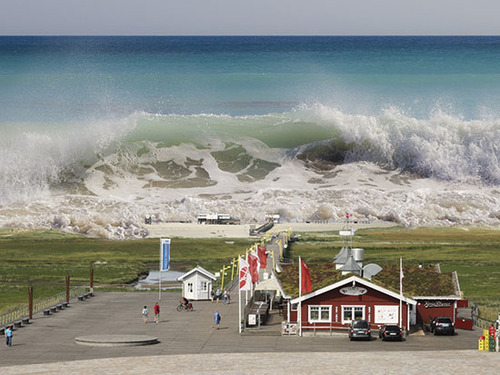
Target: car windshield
[(444, 320), (360, 324), (392, 328)]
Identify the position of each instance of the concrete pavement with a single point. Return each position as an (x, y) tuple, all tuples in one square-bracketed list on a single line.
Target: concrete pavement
[(188, 343)]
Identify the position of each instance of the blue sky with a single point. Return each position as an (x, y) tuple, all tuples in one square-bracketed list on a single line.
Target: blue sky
[(249, 17)]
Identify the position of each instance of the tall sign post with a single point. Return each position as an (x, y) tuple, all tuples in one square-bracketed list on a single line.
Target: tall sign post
[(164, 261)]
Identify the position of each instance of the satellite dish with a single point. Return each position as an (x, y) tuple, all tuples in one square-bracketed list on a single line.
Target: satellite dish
[(371, 270)]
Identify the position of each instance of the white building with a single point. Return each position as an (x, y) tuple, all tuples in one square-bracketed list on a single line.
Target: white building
[(197, 284)]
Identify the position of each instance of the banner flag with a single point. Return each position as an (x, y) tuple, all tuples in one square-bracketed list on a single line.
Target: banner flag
[(253, 261), (165, 254), (244, 271), (306, 285), (261, 250)]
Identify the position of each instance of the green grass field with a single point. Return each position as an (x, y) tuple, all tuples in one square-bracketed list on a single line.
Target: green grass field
[(43, 258)]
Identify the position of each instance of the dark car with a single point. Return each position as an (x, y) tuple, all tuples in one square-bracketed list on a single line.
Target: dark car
[(442, 325), (391, 332), (360, 329)]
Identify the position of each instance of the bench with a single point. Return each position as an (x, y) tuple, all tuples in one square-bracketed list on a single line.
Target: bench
[(17, 324), (46, 312), (65, 304), (59, 306), (25, 321), (53, 309), (81, 298), (2, 331)]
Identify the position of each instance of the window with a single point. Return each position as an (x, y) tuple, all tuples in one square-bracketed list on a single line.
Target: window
[(203, 286), (350, 313), (320, 314), (295, 306)]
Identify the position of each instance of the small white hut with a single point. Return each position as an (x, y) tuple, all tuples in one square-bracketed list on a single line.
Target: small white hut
[(197, 284)]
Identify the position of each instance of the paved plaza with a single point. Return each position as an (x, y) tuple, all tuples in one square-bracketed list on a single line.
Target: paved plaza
[(188, 343)]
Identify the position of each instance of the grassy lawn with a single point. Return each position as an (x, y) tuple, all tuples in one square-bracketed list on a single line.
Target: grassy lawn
[(43, 258)]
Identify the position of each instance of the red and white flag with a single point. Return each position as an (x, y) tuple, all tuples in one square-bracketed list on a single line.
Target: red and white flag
[(253, 261), (244, 275), (305, 278), (261, 250)]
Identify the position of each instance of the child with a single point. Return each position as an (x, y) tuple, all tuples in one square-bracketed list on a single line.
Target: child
[(8, 336)]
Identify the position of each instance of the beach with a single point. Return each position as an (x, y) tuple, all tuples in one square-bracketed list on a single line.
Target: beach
[(193, 230)]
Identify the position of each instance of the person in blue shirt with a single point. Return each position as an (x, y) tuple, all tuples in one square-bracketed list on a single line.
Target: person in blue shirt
[(217, 318), (8, 336)]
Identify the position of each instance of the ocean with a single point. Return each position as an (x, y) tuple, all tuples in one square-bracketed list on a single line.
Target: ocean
[(97, 133)]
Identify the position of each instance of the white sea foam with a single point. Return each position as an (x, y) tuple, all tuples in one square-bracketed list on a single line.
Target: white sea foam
[(99, 179)]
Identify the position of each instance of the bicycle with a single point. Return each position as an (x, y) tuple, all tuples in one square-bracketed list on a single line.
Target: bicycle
[(181, 306)]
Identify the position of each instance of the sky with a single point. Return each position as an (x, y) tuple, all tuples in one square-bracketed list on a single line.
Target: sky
[(249, 17)]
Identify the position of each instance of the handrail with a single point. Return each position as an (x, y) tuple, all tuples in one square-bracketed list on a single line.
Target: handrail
[(23, 311)]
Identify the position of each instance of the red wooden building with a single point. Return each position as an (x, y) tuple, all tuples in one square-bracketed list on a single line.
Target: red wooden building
[(336, 305)]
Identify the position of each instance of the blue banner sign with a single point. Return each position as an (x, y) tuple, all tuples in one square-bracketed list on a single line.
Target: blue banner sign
[(165, 255)]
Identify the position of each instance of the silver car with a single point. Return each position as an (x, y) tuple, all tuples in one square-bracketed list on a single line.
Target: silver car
[(360, 329)]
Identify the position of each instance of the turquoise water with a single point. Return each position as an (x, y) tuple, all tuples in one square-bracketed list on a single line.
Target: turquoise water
[(215, 115), (77, 78)]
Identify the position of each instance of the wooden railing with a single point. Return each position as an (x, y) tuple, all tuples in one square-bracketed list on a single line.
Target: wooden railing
[(39, 305)]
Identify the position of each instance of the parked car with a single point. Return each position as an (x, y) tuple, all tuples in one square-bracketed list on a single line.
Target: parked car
[(442, 325), (360, 329), (391, 332)]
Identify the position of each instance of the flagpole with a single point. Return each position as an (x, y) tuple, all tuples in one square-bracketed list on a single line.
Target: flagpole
[(239, 295), (299, 311), (401, 293), (159, 271)]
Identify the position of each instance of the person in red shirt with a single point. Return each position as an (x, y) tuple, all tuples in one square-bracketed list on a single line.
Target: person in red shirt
[(157, 312)]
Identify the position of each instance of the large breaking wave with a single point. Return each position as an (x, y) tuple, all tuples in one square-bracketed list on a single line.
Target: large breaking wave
[(104, 177)]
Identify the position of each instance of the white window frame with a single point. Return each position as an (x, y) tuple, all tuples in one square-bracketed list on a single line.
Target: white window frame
[(320, 309), (203, 286), (345, 321)]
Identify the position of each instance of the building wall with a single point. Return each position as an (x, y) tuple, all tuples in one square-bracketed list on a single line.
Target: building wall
[(194, 291), (429, 309), (378, 308)]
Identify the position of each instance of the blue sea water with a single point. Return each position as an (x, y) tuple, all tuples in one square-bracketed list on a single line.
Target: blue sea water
[(429, 106), (75, 78)]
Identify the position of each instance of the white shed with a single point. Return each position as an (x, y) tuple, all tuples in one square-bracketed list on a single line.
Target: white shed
[(197, 284)]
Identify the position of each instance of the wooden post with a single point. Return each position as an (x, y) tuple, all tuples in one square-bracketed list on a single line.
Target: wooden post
[(91, 279), (30, 301), (67, 287)]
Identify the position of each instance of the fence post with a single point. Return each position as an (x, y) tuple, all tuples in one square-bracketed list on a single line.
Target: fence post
[(30, 301), (91, 279), (67, 288)]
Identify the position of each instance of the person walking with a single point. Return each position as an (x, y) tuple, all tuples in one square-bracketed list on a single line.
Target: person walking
[(157, 312), (217, 319), (225, 296), (8, 336), (144, 314), (212, 295)]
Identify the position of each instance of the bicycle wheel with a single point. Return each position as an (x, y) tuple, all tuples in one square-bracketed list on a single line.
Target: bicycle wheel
[(180, 307)]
